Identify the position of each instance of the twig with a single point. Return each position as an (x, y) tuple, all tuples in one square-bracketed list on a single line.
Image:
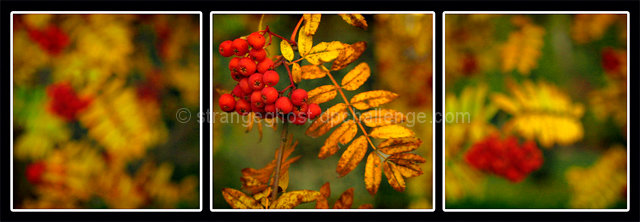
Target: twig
[(274, 189)]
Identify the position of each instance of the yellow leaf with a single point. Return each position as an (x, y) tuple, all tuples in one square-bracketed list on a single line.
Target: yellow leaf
[(286, 50), (408, 171), (399, 145), (239, 200), (356, 20), (305, 42), (382, 117), (372, 173), (345, 200), (322, 94), (407, 164), (311, 23), (348, 55), (313, 72), (394, 177), (342, 134), (283, 182), (324, 52), (356, 77), (292, 199), (372, 99), (327, 120), (263, 197), (391, 131), (352, 156), (296, 72)]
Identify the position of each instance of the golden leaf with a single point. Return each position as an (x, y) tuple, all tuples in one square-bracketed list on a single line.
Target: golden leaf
[(342, 134), (312, 22), (523, 48), (348, 55), (394, 177), (286, 50), (322, 94), (251, 121), (382, 117), (263, 197), (259, 131), (292, 199), (327, 120), (322, 202), (356, 77), (391, 131), (305, 42), (365, 206), (325, 190), (352, 156), (324, 52), (283, 182), (356, 20), (345, 200), (371, 99), (239, 200), (399, 145), (407, 163), (313, 72), (296, 72), (256, 180), (408, 171), (372, 173)]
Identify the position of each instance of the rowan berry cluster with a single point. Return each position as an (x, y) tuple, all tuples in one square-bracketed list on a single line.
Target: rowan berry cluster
[(51, 39), (505, 158), (65, 102), (257, 78)]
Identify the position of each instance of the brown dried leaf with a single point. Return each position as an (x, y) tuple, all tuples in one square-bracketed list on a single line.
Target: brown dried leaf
[(313, 72), (372, 99), (348, 55), (391, 131), (324, 52), (407, 163), (296, 72), (292, 199), (394, 177), (325, 190), (327, 120), (382, 117), (352, 156), (322, 202), (305, 42), (238, 200), (399, 145), (345, 200), (322, 94), (356, 77), (343, 134), (356, 20), (311, 23), (372, 173)]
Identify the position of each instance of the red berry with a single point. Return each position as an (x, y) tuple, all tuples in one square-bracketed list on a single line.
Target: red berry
[(298, 119), (246, 66), (237, 91), (265, 65), (243, 107), (233, 65), (301, 110), (258, 54), (34, 172), (269, 95), (314, 111), (240, 47), (256, 40), (271, 78), (270, 108), (283, 105), (610, 61), (245, 86), (257, 110), (227, 102), (236, 76), (299, 96), (256, 99), (226, 49), (255, 81)]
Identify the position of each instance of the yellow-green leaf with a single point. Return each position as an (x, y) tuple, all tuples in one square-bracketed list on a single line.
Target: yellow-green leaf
[(345, 200), (327, 120), (292, 199), (356, 20), (399, 145), (372, 173), (324, 52), (372, 99), (311, 23), (352, 156), (382, 117), (322, 94), (391, 131), (286, 50), (313, 72), (343, 134), (305, 42), (356, 77), (296, 72), (239, 200), (348, 55), (394, 177)]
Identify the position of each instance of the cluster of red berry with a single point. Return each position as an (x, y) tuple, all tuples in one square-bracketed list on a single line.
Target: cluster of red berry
[(34, 172), (256, 78), (51, 39), (65, 102), (610, 61), (505, 157)]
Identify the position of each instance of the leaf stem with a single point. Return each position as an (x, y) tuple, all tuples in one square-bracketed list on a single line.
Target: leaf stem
[(283, 38), (274, 189), (295, 31)]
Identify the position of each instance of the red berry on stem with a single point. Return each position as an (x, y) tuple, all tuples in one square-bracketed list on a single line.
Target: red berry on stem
[(314, 111), (271, 78), (240, 47), (245, 86), (258, 54), (265, 65), (246, 66), (284, 105), (226, 49), (243, 107), (34, 172), (270, 108), (237, 91), (269, 95), (227, 102), (256, 99), (256, 40), (299, 96), (255, 81), (233, 65)]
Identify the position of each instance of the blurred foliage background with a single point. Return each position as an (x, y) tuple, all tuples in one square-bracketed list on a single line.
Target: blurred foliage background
[(399, 52), (558, 80), (94, 110)]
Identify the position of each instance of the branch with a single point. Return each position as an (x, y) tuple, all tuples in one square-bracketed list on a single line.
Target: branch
[(274, 189)]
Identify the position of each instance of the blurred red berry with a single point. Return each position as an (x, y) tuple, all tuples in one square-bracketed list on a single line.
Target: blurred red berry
[(65, 102), (35, 171), (243, 107), (226, 49), (245, 85), (227, 102), (314, 111)]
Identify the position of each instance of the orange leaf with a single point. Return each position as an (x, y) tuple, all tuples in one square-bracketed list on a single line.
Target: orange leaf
[(391, 131), (407, 163), (356, 77), (356, 20), (296, 72), (343, 134), (348, 55), (345, 200), (292, 199), (394, 177), (399, 145), (372, 173), (239, 200), (322, 94), (352, 156), (313, 72), (382, 117), (372, 99), (327, 120), (322, 202)]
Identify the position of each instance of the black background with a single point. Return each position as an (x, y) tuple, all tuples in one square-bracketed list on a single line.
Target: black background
[(238, 5)]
